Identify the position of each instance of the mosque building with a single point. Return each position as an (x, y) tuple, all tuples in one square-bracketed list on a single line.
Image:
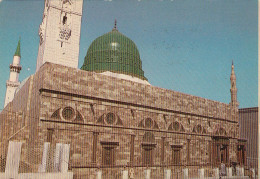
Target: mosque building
[(107, 111)]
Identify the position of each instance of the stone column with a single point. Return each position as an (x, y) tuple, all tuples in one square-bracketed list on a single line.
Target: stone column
[(185, 172), (13, 159), (253, 172), (57, 157), (162, 150), (242, 171), (228, 161), (132, 150), (216, 172), (94, 149), (238, 171), (210, 152), (125, 174), (167, 174), (45, 156), (201, 173), (131, 173), (229, 172), (99, 174), (214, 156), (245, 155), (188, 151), (218, 154), (147, 174), (64, 163)]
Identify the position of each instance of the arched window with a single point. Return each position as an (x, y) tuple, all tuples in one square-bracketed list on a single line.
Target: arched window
[(176, 126), (148, 123)]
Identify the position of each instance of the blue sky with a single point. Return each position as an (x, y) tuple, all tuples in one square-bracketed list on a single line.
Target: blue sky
[(185, 45)]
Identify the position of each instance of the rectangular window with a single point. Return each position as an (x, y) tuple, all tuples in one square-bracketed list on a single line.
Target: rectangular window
[(220, 150), (176, 154), (147, 157), (241, 155), (176, 157), (108, 156), (108, 152)]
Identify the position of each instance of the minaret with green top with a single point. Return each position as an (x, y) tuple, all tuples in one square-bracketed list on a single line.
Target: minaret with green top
[(18, 49), (15, 68)]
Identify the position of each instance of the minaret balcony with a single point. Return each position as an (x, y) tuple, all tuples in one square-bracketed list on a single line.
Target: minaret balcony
[(15, 68), (12, 83)]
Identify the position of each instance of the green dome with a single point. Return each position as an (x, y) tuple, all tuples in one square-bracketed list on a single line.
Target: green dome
[(114, 52)]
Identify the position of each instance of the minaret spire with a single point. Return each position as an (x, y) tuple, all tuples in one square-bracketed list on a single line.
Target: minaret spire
[(15, 68), (18, 48), (233, 89)]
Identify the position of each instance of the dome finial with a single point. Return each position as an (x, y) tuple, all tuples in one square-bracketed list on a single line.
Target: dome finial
[(115, 28), (115, 24)]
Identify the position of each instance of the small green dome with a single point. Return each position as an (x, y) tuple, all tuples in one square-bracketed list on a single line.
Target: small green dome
[(114, 52)]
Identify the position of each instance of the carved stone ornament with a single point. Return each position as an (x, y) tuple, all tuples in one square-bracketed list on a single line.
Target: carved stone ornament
[(42, 29), (65, 33), (66, 1), (41, 34), (66, 5)]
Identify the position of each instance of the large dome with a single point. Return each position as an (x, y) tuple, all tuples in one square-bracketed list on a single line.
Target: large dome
[(114, 52)]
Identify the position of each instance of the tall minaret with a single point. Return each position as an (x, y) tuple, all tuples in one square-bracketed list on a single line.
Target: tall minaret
[(233, 89), (60, 33), (13, 82)]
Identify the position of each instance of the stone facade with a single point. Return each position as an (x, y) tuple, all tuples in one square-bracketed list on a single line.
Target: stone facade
[(113, 124)]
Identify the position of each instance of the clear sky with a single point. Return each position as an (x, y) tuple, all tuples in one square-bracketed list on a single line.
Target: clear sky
[(185, 45)]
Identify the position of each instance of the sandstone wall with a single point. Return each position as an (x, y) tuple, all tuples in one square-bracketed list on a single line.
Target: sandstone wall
[(170, 117), (176, 117)]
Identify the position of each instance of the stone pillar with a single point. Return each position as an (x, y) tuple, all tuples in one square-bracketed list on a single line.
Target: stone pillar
[(218, 154), (13, 159), (99, 174), (167, 174), (45, 156), (252, 172), (131, 173), (214, 155), (229, 172), (201, 173), (125, 174), (147, 174), (132, 150), (216, 172), (228, 161), (185, 172), (237, 170), (188, 151), (244, 156), (210, 152), (57, 157), (94, 149), (242, 171), (64, 163), (162, 150)]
